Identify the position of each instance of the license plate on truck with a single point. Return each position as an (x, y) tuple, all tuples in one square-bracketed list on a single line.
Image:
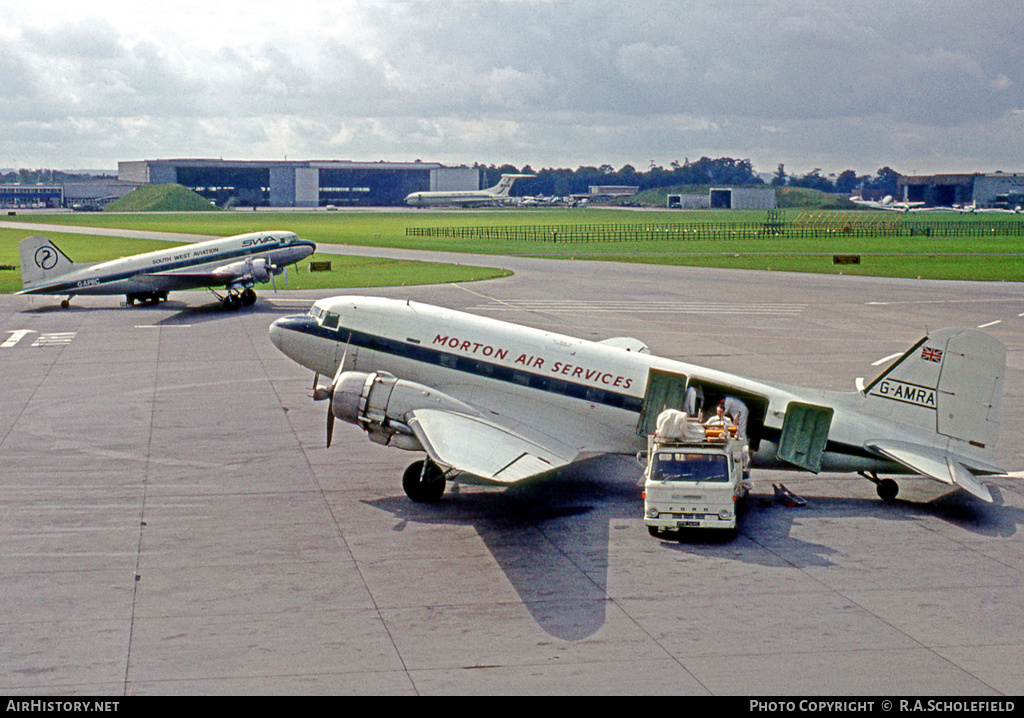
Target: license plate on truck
[(688, 524)]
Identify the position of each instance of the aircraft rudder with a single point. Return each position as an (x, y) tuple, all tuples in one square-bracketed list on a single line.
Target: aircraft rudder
[(950, 383), (40, 259)]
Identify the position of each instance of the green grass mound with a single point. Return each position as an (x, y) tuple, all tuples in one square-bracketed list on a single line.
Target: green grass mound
[(161, 198)]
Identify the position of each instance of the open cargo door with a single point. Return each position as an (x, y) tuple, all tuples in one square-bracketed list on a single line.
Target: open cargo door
[(804, 435), (665, 390)]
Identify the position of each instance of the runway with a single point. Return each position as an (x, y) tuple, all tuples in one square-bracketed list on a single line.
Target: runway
[(172, 522)]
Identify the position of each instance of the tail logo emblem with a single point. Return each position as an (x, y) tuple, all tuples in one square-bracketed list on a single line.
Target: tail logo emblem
[(929, 354), (46, 258)]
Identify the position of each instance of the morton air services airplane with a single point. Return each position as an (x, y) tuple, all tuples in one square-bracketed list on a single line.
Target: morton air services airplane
[(495, 194), (494, 402), (234, 263)]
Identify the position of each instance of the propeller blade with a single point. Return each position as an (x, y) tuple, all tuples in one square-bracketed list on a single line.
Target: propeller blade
[(320, 392), (334, 386)]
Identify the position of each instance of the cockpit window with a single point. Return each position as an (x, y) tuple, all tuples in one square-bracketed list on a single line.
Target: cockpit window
[(316, 312), (330, 320)]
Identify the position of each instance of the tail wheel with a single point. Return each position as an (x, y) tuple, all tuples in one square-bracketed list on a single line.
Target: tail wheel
[(423, 481)]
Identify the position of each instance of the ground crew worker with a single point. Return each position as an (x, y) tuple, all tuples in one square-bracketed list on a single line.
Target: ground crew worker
[(738, 411)]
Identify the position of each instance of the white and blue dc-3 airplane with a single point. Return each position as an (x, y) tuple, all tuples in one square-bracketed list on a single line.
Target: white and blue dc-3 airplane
[(235, 264), (494, 402)]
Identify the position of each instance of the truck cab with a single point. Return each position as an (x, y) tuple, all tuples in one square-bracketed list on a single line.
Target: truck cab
[(694, 477)]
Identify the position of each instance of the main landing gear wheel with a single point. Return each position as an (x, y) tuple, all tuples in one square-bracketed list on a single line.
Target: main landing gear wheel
[(423, 481), (236, 300), (887, 490)]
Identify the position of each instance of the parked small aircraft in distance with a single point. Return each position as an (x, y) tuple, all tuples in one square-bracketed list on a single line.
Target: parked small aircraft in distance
[(497, 193), (494, 402), (234, 263), (889, 204)]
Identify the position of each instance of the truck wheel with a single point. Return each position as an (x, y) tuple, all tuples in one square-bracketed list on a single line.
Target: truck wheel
[(653, 531)]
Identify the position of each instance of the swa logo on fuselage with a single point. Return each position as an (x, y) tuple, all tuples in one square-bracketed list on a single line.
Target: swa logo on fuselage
[(258, 241)]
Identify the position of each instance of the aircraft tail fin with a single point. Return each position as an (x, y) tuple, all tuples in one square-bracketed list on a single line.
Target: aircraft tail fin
[(951, 383), (42, 260), (504, 185)]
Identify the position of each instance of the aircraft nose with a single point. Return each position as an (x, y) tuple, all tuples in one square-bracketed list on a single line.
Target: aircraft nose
[(285, 326), (276, 332)]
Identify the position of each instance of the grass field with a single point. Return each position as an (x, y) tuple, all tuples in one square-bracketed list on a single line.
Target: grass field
[(996, 257), (345, 271)]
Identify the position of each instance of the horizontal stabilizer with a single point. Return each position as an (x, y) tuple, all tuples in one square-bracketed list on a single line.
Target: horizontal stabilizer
[(934, 464), (481, 448)]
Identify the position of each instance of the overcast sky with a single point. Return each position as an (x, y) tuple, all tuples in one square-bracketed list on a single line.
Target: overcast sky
[(922, 86)]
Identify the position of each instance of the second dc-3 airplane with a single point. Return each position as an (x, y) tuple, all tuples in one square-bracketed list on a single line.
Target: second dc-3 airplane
[(494, 402), (234, 263)]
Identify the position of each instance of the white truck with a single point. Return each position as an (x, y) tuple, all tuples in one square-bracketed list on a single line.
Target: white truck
[(694, 476)]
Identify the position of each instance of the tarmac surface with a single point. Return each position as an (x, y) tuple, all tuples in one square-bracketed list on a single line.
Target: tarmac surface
[(172, 522)]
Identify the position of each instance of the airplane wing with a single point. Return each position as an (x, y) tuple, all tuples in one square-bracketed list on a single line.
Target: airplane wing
[(933, 464), (245, 273), (482, 448)]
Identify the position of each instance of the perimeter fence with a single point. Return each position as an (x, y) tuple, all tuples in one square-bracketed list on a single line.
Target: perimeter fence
[(809, 229)]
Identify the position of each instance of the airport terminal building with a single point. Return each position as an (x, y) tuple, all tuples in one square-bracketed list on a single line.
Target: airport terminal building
[(301, 184)]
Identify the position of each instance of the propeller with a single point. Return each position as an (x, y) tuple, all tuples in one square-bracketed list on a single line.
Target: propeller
[(274, 271), (327, 392)]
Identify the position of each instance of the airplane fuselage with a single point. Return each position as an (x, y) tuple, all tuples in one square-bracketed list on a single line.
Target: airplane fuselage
[(514, 372), (183, 267), (440, 199), (495, 194)]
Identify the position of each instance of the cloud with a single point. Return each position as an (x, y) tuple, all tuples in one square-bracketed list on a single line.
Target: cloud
[(522, 81)]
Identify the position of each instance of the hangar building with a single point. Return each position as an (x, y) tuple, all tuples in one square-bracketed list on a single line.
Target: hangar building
[(301, 184), (996, 189), (726, 198)]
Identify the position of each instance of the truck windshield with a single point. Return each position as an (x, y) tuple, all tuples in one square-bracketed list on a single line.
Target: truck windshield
[(672, 466)]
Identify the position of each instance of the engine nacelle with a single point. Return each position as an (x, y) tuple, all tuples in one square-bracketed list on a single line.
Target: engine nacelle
[(259, 269), (379, 403)]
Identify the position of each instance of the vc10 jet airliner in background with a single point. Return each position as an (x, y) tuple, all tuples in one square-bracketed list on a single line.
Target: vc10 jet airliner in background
[(235, 264), (493, 402)]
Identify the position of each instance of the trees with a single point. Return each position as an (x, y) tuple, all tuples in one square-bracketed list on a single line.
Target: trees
[(847, 182), (813, 180), (885, 181), (562, 182)]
